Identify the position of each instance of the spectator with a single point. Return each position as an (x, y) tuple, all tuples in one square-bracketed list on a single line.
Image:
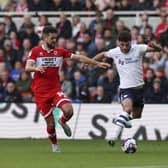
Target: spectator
[(110, 42), (161, 27), (5, 79), (156, 5), (149, 77), (66, 85), (80, 92), (100, 96), (98, 32), (37, 5), (15, 73), (14, 39), (89, 6), (69, 69), (10, 54), (144, 24), (141, 39), (23, 85), (134, 34), (61, 42), (1, 55), (26, 21), (163, 38), (75, 25), (11, 94), (94, 22), (24, 50), (89, 45), (110, 20), (101, 4), (43, 21), (115, 5), (110, 84), (156, 94), (71, 45), (100, 46), (148, 33), (75, 5), (158, 61), (22, 6), (8, 6), (64, 27), (165, 4), (59, 5), (2, 34), (125, 5), (140, 5), (80, 35), (9, 25), (30, 34)]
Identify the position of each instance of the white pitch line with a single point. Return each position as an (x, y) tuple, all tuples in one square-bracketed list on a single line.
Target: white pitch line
[(151, 166)]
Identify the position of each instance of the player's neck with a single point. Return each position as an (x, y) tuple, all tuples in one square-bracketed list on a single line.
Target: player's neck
[(45, 47)]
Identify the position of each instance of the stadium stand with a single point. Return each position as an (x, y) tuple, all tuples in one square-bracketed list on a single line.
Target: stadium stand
[(83, 30)]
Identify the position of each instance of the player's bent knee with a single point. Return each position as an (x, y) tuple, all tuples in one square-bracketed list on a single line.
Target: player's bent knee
[(137, 116), (67, 110), (127, 109)]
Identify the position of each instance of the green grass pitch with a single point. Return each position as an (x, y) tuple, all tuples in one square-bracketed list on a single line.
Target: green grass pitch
[(27, 153)]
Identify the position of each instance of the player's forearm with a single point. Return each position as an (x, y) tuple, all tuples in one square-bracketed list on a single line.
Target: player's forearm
[(154, 46), (30, 69), (84, 59), (99, 56)]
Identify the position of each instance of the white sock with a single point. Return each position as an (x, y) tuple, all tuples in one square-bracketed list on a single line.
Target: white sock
[(122, 119), (117, 131), (120, 124)]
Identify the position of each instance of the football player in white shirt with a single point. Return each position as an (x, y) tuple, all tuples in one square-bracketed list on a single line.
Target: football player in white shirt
[(128, 61)]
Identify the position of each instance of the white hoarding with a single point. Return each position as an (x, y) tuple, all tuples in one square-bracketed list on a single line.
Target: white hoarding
[(90, 121)]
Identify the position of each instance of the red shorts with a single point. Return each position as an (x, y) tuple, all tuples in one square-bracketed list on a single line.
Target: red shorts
[(46, 104)]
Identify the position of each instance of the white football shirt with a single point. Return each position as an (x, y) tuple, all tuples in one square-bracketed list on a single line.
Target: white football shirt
[(129, 65)]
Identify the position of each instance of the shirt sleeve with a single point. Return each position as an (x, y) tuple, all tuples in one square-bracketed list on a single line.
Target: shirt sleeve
[(110, 53), (66, 53), (142, 48), (32, 54)]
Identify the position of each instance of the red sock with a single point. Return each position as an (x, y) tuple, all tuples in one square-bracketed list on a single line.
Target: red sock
[(63, 119), (52, 135)]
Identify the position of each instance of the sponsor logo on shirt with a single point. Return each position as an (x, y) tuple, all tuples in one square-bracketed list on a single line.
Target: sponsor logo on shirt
[(49, 61)]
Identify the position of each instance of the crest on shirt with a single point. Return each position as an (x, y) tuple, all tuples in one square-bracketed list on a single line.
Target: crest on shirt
[(41, 53), (55, 52)]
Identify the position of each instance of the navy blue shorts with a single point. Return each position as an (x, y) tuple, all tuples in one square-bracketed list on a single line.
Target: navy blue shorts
[(136, 95)]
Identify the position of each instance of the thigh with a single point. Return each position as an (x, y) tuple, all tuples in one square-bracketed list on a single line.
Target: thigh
[(126, 99), (60, 99), (137, 112), (44, 106)]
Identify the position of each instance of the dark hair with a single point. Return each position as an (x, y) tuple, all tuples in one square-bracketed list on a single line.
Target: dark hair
[(124, 36), (49, 29)]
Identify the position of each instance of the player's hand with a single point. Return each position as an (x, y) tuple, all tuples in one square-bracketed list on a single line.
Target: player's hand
[(103, 65), (83, 66), (40, 69)]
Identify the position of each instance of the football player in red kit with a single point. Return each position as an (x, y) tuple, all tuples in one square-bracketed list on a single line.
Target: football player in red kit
[(44, 62)]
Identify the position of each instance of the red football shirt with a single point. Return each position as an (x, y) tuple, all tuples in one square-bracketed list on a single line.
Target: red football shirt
[(47, 83)]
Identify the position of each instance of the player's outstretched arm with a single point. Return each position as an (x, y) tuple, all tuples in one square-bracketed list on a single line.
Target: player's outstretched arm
[(31, 67), (100, 56), (86, 60), (152, 47)]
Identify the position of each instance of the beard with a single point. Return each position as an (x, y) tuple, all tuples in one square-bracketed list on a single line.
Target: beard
[(51, 46)]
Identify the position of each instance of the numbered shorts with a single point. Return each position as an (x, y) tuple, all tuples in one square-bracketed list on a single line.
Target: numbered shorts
[(45, 105), (136, 95)]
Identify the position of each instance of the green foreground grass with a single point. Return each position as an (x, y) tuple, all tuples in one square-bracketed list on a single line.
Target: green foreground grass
[(29, 153)]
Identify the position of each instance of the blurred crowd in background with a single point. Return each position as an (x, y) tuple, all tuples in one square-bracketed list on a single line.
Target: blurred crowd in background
[(80, 5), (92, 84)]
